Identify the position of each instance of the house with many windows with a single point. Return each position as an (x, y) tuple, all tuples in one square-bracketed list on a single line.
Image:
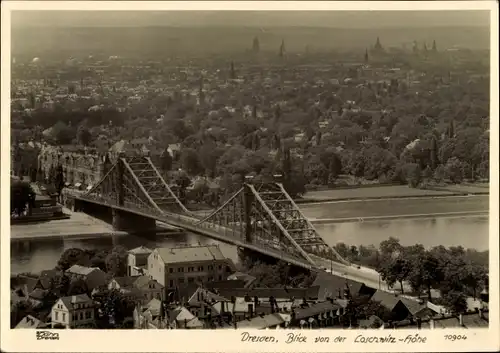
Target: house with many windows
[(174, 267), (73, 311)]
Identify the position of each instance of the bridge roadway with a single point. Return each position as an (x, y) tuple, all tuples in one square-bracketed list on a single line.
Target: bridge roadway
[(365, 275)]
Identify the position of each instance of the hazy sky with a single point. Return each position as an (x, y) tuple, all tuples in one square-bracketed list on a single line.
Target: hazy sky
[(340, 19)]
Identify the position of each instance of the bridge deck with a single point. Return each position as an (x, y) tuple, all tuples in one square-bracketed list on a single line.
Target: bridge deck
[(214, 232)]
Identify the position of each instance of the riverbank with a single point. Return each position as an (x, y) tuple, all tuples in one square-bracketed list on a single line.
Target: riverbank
[(391, 192), (397, 207), (396, 217), (75, 226)]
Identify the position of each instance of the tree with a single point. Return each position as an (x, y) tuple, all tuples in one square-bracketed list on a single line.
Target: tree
[(99, 260), (433, 156), (77, 286), (390, 247), (21, 195), (475, 276), (412, 174), (115, 308), (426, 272), (455, 301), (116, 261), (190, 161), (83, 136), (63, 134), (439, 173), (453, 170), (59, 179), (396, 270), (59, 285), (72, 256)]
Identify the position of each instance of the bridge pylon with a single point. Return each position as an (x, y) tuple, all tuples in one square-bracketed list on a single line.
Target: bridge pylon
[(265, 215), (133, 183)]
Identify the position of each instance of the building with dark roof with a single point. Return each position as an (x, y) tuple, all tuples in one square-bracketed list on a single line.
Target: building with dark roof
[(31, 322), (332, 286)]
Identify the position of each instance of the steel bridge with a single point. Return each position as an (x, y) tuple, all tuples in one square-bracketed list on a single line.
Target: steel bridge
[(260, 217)]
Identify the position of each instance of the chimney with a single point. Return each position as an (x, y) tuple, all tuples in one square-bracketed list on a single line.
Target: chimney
[(431, 324), (461, 319)]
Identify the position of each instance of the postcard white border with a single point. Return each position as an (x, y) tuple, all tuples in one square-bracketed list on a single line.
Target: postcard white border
[(230, 340)]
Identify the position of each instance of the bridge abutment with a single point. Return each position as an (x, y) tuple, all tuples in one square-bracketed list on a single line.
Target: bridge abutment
[(129, 222)]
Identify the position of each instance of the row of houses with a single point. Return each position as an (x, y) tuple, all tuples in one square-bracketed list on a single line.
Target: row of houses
[(195, 287)]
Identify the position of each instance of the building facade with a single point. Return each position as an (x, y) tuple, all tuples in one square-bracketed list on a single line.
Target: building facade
[(174, 267), (81, 168), (73, 311), (137, 261)]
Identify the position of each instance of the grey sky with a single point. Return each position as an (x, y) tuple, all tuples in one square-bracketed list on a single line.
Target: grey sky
[(340, 19)]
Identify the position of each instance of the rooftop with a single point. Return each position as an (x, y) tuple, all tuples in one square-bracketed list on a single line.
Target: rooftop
[(81, 270), (71, 300), (30, 322), (261, 322), (190, 254), (140, 250)]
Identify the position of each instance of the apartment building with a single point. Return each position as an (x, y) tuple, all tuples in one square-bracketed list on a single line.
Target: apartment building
[(174, 267)]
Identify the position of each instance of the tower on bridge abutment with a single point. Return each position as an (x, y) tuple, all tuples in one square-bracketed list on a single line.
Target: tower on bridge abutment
[(121, 220)]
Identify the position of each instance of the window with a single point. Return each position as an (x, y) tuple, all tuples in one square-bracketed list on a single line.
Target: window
[(181, 280), (64, 317), (200, 268), (220, 278), (210, 279), (151, 266), (81, 315), (180, 269), (190, 280), (220, 267), (171, 270), (74, 317), (88, 314), (146, 296), (57, 316), (171, 283)]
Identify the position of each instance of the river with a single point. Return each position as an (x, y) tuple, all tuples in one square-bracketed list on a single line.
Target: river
[(467, 231)]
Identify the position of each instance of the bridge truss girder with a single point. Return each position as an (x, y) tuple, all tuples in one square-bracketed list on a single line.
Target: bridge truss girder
[(135, 183)]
